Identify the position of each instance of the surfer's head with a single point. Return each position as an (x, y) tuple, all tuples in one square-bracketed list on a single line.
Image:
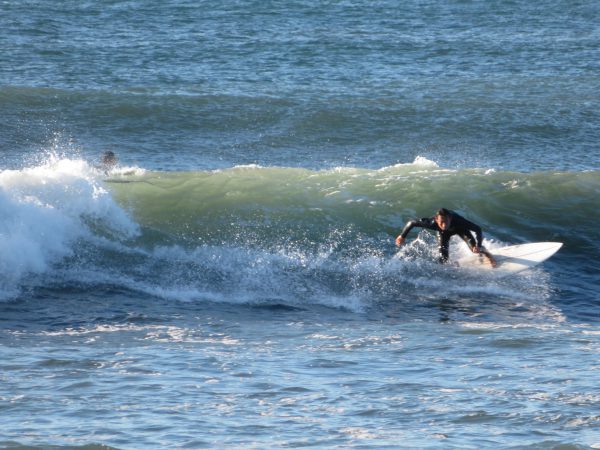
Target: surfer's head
[(109, 159), (442, 218)]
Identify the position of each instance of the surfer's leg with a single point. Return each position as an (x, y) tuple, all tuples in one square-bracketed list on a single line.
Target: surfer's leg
[(444, 242)]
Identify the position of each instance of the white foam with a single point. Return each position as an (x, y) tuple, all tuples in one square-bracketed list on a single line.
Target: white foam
[(418, 161), (422, 161), (45, 209)]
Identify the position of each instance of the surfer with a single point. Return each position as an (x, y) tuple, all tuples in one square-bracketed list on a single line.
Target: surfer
[(108, 161), (447, 224)]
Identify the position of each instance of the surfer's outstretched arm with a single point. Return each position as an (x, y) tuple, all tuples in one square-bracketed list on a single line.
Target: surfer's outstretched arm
[(422, 223)]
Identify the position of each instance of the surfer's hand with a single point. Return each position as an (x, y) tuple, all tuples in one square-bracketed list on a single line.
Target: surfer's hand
[(476, 249), (399, 241)]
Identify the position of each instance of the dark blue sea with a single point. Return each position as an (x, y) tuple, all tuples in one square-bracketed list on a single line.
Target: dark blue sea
[(233, 281)]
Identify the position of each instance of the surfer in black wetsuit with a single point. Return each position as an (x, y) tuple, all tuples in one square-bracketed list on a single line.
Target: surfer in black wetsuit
[(447, 224)]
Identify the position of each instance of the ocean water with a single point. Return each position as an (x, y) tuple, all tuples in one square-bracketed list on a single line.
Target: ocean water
[(233, 281)]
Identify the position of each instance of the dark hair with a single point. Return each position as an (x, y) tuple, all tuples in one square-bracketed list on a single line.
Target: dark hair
[(109, 157), (443, 212)]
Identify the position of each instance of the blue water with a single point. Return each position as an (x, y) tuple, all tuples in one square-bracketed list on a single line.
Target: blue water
[(233, 281)]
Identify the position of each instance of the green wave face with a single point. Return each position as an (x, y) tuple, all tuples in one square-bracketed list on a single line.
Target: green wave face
[(271, 206)]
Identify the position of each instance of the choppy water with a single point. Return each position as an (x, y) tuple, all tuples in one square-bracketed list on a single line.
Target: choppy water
[(233, 283)]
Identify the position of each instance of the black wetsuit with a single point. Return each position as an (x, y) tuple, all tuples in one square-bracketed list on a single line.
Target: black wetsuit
[(458, 225)]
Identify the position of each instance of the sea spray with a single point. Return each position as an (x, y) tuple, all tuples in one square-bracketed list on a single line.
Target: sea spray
[(46, 210)]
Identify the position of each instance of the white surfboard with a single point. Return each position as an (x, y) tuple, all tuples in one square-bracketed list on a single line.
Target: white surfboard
[(513, 259)]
